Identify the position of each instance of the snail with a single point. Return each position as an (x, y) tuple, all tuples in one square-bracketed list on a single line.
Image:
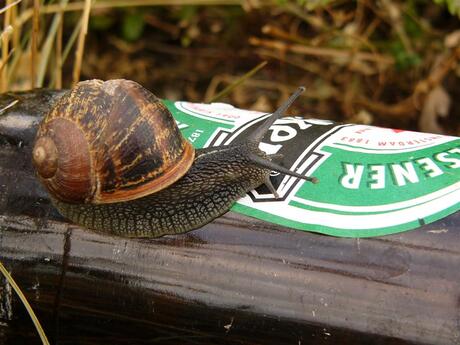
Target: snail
[(114, 161)]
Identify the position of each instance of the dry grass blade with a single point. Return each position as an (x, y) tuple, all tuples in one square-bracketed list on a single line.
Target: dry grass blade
[(65, 53), (26, 304), (5, 46), (47, 47), (81, 42), (6, 33), (238, 82), (58, 70), (276, 32), (3, 64), (5, 108), (71, 41), (320, 51), (11, 5), (16, 47), (33, 48)]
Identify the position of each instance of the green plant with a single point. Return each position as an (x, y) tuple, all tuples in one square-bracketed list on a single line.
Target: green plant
[(452, 5)]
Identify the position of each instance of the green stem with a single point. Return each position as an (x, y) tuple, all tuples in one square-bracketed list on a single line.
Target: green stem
[(237, 82)]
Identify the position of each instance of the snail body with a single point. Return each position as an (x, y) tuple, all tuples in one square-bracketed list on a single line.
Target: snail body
[(204, 193), (114, 161)]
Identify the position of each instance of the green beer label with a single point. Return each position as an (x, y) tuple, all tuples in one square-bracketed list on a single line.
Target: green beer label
[(373, 181)]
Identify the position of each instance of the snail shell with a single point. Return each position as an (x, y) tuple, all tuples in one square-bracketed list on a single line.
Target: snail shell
[(107, 142)]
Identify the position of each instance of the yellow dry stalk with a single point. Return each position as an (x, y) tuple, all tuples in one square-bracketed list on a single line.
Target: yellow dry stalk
[(26, 304)]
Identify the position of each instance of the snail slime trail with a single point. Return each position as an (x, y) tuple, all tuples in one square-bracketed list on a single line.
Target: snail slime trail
[(114, 161)]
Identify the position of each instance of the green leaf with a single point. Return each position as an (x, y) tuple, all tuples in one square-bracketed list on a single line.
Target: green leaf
[(132, 26), (101, 23), (452, 5), (186, 13), (404, 59), (411, 26)]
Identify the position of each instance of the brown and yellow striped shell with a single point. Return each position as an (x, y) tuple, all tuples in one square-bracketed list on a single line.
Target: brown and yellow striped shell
[(108, 142)]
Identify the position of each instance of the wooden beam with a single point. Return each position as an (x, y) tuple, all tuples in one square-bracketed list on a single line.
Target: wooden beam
[(235, 281)]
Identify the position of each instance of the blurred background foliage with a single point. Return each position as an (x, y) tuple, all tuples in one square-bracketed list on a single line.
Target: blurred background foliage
[(387, 62)]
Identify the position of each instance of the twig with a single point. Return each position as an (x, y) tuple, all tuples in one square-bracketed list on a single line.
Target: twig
[(395, 16), (281, 34), (403, 110), (438, 73), (320, 51), (317, 22), (171, 29), (408, 108), (277, 32)]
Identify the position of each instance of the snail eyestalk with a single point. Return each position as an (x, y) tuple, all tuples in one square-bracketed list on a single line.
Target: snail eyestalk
[(265, 163), (259, 133)]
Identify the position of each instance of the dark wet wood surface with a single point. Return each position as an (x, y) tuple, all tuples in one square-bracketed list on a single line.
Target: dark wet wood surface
[(235, 281)]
